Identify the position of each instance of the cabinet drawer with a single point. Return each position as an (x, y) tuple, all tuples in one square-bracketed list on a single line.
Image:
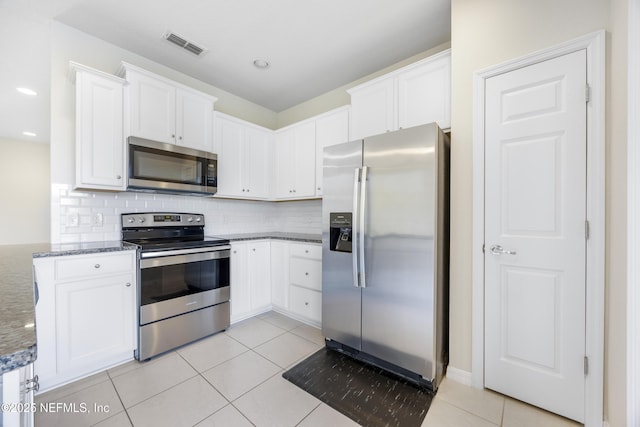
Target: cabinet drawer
[(306, 272), (306, 303), (305, 251), (75, 267)]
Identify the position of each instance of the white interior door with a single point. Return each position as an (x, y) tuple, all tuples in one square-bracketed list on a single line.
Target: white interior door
[(535, 240)]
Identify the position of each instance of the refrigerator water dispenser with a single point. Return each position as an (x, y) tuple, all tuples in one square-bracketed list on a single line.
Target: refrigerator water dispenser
[(340, 231)]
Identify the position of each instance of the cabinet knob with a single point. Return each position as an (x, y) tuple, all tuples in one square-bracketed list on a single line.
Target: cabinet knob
[(128, 285), (306, 274), (180, 138), (243, 190), (319, 188), (306, 303), (254, 249), (96, 266), (306, 251), (235, 252), (118, 176), (173, 136)]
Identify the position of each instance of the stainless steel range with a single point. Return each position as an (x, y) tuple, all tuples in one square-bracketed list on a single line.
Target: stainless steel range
[(184, 280)]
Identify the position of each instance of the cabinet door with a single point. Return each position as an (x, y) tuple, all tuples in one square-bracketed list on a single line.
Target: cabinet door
[(152, 105), (193, 120), (16, 388), (95, 323), (229, 135), (280, 274), (99, 132), (240, 286), (256, 170), (373, 109), (285, 165), (330, 130), (260, 274), (424, 94), (305, 160)]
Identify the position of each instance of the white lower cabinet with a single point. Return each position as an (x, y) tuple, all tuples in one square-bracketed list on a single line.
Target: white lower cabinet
[(279, 274), (250, 278), (16, 396), (305, 281), (85, 315)]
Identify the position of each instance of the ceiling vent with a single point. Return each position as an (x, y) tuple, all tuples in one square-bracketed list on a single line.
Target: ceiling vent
[(185, 44)]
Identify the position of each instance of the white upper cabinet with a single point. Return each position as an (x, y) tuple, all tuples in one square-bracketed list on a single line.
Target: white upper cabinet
[(99, 130), (296, 161), (416, 94), (244, 158), (373, 108), (166, 111), (331, 129), (194, 127), (424, 93)]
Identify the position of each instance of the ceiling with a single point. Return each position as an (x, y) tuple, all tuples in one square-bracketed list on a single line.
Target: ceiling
[(312, 46)]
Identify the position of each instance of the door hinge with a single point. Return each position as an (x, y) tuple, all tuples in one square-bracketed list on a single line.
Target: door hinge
[(587, 94), (586, 230), (586, 365)]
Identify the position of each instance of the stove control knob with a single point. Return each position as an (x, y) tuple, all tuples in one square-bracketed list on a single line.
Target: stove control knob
[(190, 219), (198, 219), (131, 220), (141, 219)]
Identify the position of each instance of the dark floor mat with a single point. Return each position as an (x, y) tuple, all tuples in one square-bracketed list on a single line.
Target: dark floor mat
[(368, 395)]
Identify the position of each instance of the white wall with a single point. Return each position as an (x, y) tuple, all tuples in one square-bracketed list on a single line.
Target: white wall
[(24, 192), (488, 32)]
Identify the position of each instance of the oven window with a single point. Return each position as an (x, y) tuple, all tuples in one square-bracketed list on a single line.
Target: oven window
[(172, 281), (159, 166)]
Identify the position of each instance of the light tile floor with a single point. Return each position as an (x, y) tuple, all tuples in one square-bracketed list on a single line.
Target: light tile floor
[(234, 379)]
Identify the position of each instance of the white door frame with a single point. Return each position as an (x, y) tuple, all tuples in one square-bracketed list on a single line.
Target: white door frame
[(594, 43), (633, 213)]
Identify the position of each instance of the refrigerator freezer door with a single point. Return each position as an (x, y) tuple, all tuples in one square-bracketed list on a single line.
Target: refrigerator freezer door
[(341, 299), (400, 221)]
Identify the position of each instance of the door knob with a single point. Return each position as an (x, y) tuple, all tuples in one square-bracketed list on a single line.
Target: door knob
[(499, 250)]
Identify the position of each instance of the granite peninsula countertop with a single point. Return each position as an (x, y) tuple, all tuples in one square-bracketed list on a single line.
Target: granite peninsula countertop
[(17, 300), (295, 237)]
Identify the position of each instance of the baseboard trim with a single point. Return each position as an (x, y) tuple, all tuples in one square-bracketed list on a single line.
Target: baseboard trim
[(459, 376)]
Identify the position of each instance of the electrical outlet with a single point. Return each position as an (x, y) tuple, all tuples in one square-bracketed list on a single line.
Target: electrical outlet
[(73, 220)]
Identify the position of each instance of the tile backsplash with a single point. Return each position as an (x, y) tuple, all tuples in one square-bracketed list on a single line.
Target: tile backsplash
[(88, 216)]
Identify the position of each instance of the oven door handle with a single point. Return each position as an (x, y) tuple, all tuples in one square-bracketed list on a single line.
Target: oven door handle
[(156, 254), (171, 258)]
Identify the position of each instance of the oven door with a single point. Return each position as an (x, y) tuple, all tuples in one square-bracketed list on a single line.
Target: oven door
[(180, 281)]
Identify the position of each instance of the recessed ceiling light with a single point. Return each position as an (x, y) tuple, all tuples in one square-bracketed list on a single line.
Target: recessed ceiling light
[(261, 63), (27, 91), (27, 133)]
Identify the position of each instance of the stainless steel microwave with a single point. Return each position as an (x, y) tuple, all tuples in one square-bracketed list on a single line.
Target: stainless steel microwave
[(167, 168)]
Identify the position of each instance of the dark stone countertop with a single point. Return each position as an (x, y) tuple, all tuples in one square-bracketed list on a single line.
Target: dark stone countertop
[(17, 302), (294, 237)]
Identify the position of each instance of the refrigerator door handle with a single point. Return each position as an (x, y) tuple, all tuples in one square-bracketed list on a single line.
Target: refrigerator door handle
[(362, 225), (354, 226)]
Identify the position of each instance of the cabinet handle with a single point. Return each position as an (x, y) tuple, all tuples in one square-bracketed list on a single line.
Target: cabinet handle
[(128, 285), (96, 266)]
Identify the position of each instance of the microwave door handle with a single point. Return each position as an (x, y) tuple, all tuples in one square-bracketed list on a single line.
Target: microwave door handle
[(354, 226)]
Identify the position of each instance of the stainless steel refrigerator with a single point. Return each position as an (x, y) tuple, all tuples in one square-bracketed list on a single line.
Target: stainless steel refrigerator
[(385, 251)]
